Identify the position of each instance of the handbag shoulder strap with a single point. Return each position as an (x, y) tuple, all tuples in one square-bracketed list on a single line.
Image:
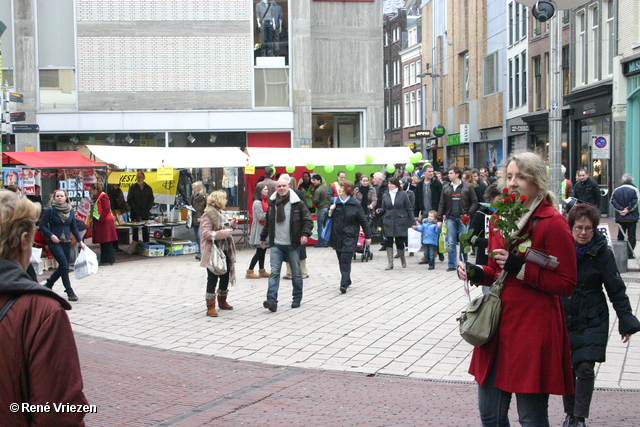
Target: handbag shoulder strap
[(7, 307)]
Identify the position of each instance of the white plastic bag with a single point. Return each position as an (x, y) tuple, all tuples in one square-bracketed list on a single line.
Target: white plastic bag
[(415, 240), (86, 263), (36, 260)]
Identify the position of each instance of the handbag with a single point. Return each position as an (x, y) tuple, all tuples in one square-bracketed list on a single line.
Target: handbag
[(218, 261), (479, 321), (326, 231)]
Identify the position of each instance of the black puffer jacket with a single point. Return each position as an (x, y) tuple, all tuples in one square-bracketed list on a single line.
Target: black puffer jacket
[(587, 312), (347, 219)]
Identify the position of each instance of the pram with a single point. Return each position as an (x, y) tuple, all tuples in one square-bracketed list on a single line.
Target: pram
[(363, 248)]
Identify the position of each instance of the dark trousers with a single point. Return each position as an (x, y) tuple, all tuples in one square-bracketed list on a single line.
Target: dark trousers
[(401, 242), (344, 261), (134, 230), (630, 229), (258, 258), (107, 253), (61, 252), (584, 379), (212, 281)]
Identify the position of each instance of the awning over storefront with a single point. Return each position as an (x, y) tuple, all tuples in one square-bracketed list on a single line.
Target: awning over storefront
[(261, 156), (176, 157), (50, 160)]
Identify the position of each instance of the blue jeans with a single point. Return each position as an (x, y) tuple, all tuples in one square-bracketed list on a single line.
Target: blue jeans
[(61, 252), (454, 228), (322, 218), (494, 405), (196, 233), (280, 254), (430, 254)]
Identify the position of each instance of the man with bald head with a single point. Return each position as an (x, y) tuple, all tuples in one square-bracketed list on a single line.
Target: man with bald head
[(288, 225)]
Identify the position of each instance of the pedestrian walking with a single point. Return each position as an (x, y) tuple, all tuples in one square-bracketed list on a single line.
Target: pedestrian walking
[(288, 226), (347, 218), (39, 359), (104, 226), (259, 214), (624, 200), (397, 216), (430, 234), (215, 229), (57, 225), (322, 207), (529, 354), (586, 190), (586, 311)]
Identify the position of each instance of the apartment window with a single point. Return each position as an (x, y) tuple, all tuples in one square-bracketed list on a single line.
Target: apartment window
[(395, 73), (412, 74), (397, 117), (524, 22), (510, 24), (387, 117), (565, 70), (407, 106), (418, 107), (510, 84), (523, 80), (581, 47), (592, 42), (56, 55), (418, 69), (406, 77), (490, 74), (608, 39), (537, 28), (516, 81), (547, 79), (412, 110), (386, 75), (516, 22), (465, 77), (537, 83), (566, 16)]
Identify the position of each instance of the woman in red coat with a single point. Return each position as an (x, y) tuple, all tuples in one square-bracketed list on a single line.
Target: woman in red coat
[(529, 355), (104, 227)]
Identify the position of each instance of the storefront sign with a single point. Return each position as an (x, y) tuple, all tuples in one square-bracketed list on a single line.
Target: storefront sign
[(453, 140), (464, 133), (601, 146), (439, 131), (519, 128), (631, 68), (420, 134)]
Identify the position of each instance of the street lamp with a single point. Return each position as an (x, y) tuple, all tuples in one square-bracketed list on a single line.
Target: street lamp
[(423, 109)]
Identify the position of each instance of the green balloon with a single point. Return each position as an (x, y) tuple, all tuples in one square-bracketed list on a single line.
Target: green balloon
[(368, 159), (409, 167), (391, 168), (351, 167), (328, 168), (418, 156), (311, 166), (290, 169)]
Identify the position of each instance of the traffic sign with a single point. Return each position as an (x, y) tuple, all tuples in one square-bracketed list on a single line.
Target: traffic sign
[(16, 97), (25, 128), (18, 116)]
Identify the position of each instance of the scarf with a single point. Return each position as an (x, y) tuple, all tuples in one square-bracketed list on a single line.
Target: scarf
[(63, 210), (581, 251), (392, 194), (364, 191), (280, 204), (228, 246), (345, 200)]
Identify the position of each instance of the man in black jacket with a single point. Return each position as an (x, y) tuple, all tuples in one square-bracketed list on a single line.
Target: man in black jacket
[(288, 225), (586, 189), (428, 192)]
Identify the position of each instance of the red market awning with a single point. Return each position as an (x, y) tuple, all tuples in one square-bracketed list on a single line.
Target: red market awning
[(50, 160)]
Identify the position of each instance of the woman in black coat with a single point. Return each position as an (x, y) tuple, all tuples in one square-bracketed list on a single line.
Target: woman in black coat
[(586, 311), (397, 219), (347, 217)]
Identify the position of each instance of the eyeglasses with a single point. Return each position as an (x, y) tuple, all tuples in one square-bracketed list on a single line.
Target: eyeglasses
[(581, 229)]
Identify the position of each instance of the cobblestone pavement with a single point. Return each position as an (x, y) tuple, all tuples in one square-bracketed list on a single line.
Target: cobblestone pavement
[(149, 350)]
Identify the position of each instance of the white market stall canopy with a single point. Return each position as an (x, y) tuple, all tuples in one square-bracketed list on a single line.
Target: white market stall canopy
[(261, 156), (176, 157)]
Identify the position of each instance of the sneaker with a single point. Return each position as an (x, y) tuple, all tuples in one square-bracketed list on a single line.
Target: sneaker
[(272, 306), (295, 304)]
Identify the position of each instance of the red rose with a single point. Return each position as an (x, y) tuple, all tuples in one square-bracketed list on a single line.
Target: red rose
[(505, 191), (465, 220), (506, 199), (523, 199)]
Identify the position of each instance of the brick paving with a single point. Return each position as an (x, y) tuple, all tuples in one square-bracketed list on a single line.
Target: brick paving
[(386, 353)]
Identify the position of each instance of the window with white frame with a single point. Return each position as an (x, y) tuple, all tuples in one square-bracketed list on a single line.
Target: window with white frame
[(537, 83), (608, 38), (547, 80), (523, 78), (516, 23), (581, 47), (407, 106), (412, 109), (537, 28), (418, 69), (511, 84), (386, 75), (465, 76), (406, 77), (418, 107), (511, 6), (525, 23), (398, 116), (412, 74), (516, 81), (490, 73), (412, 36), (387, 117), (592, 42)]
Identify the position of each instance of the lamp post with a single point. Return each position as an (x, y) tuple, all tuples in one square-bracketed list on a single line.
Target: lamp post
[(423, 109)]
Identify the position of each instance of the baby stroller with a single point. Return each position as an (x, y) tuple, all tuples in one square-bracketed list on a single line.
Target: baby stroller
[(363, 248)]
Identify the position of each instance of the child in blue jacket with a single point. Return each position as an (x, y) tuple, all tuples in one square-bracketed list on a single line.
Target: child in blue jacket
[(430, 233)]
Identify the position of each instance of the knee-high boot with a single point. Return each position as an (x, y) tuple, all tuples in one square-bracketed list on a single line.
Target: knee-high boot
[(222, 300), (389, 259), (402, 260), (211, 305)]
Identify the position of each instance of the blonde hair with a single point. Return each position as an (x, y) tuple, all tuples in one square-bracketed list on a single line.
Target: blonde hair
[(216, 200), (468, 176), (53, 196), (198, 187), (18, 215), (533, 169)]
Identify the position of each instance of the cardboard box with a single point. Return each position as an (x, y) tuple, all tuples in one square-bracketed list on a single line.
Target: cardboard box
[(146, 249), (180, 249)]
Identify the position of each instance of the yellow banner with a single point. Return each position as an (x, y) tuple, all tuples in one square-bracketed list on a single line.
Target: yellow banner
[(160, 187)]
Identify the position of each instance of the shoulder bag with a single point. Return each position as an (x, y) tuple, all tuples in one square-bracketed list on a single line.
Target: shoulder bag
[(479, 321), (326, 231), (218, 261)]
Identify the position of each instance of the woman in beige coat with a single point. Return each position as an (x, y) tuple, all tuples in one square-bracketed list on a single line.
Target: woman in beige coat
[(215, 228)]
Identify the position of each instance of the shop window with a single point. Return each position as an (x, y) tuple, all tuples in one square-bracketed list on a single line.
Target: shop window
[(337, 130), (271, 37)]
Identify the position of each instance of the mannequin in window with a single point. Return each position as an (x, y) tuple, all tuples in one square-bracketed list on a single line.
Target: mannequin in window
[(266, 16), (230, 184), (278, 34)]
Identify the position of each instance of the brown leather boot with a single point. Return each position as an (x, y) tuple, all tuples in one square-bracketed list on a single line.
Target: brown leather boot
[(264, 273), (222, 300), (211, 306), (251, 275)]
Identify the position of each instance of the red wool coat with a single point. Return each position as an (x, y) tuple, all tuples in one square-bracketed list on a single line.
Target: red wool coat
[(531, 344), (104, 228)]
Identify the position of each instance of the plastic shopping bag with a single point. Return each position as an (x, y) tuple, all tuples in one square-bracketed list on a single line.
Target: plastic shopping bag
[(415, 240), (442, 240), (86, 263), (36, 260)]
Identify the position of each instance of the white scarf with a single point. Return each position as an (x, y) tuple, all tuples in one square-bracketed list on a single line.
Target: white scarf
[(392, 194)]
